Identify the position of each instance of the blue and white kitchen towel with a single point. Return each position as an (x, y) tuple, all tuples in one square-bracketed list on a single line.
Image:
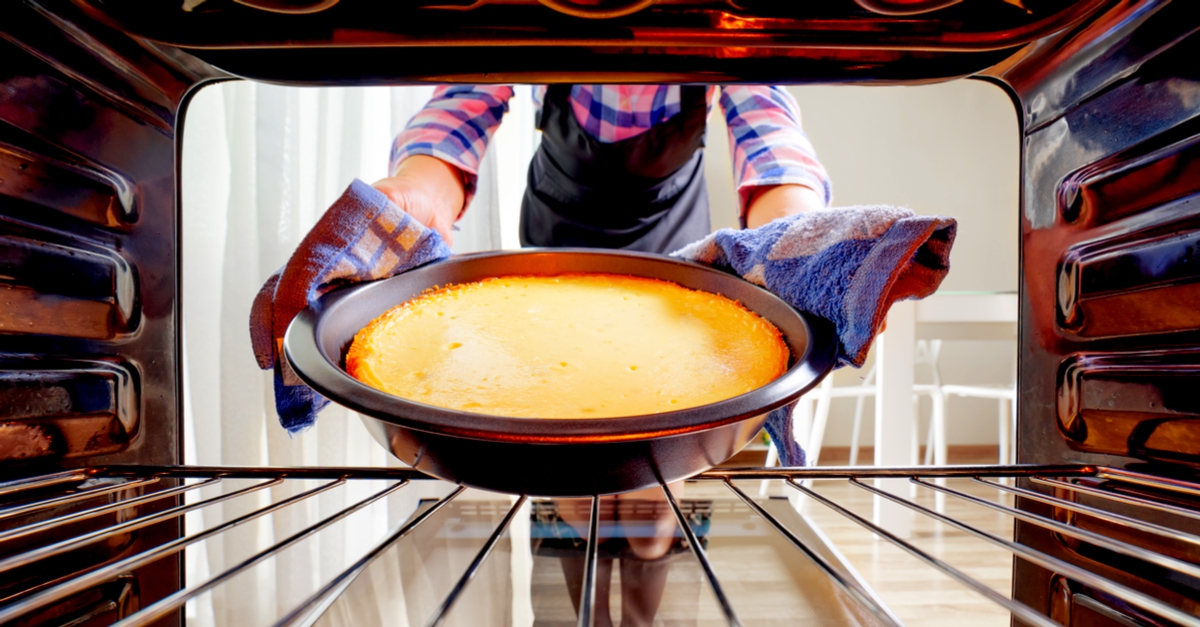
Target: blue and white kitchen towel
[(845, 264), (362, 237)]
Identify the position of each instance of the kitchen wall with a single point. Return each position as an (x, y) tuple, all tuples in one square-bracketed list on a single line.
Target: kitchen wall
[(949, 149), (946, 149)]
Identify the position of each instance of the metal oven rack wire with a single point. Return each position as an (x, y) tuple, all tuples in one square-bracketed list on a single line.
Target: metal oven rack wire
[(47, 493)]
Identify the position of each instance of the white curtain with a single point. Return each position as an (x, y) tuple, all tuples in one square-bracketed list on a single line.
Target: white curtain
[(260, 164)]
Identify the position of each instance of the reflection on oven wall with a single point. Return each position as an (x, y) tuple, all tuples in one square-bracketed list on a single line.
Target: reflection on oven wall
[(1109, 331), (1108, 118), (259, 165), (1109, 241)]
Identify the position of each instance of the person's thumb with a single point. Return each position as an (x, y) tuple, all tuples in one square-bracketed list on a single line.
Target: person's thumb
[(262, 334), (420, 211), (393, 194), (444, 227)]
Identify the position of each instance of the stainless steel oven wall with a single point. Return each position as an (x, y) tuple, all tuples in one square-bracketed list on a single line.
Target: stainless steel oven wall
[(89, 109), (1111, 241), (360, 42), (88, 254), (89, 326), (1110, 289)]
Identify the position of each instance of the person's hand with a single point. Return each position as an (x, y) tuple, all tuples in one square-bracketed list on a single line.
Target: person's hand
[(363, 236), (776, 201), (429, 190)]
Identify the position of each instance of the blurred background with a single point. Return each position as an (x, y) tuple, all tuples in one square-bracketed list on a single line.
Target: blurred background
[(261, 162)]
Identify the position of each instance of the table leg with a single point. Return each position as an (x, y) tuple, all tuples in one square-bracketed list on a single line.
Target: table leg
[(894, 415)]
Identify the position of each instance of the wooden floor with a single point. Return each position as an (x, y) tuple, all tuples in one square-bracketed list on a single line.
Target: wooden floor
[(771, 584), (919, 595)]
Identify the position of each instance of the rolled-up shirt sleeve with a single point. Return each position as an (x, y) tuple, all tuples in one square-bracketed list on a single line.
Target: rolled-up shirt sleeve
[(768, 143), (455, 126)]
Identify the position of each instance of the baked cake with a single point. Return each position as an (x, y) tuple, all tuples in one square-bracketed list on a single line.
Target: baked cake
[(568, 346)]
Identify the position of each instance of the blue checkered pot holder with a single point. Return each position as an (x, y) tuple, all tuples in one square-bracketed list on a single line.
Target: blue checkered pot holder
[(846, 264), (362, 237)]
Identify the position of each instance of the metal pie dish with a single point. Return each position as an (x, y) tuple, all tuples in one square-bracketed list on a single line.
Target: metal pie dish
[(546, 456)]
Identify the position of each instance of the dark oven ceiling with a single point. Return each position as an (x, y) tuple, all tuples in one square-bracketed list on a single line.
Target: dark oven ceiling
[(372, 42)]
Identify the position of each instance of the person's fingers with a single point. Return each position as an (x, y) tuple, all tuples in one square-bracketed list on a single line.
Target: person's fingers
[(388, 187), (443, 228), (262, 334), (400, 195)]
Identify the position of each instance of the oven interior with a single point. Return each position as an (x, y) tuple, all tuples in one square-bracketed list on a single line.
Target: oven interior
[(1104, 499)]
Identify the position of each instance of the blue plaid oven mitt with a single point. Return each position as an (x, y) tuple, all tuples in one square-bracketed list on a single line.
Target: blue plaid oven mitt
[(362, 237), (847, 265)]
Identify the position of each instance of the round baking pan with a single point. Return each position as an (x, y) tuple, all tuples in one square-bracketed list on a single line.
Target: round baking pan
[(552, 457)]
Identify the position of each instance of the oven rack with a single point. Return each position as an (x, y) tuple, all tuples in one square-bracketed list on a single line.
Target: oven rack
[(165, 485)]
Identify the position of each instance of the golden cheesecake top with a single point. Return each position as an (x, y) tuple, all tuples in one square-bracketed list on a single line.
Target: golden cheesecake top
[(568, 346)]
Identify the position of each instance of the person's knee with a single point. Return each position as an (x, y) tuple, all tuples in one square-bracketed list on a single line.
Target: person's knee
[(651, 548), (577, 513), (651, 514)]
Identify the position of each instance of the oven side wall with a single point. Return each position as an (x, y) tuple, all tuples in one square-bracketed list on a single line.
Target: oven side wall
[(89, 282), (1110, 269), (1110, 287), (88, 249)]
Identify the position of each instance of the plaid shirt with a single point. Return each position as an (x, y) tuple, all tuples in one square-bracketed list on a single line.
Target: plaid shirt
[(768, 144)]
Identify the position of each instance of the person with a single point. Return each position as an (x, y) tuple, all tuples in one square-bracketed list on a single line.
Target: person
[(619, 166)]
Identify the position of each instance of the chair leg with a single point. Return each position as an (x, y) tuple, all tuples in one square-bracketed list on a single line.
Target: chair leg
[(930, 443), (938, 426), (802, 420), (772, 457), (936, 422), (856, 430), (914, 450), (820, 419), (935, 351)]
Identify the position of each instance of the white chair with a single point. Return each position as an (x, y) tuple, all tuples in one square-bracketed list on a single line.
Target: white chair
[(810, 421), (987, 316), (949, 315), (926, 353), (1007, 396)]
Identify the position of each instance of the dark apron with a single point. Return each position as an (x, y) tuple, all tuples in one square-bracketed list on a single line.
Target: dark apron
[(644, 193)]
